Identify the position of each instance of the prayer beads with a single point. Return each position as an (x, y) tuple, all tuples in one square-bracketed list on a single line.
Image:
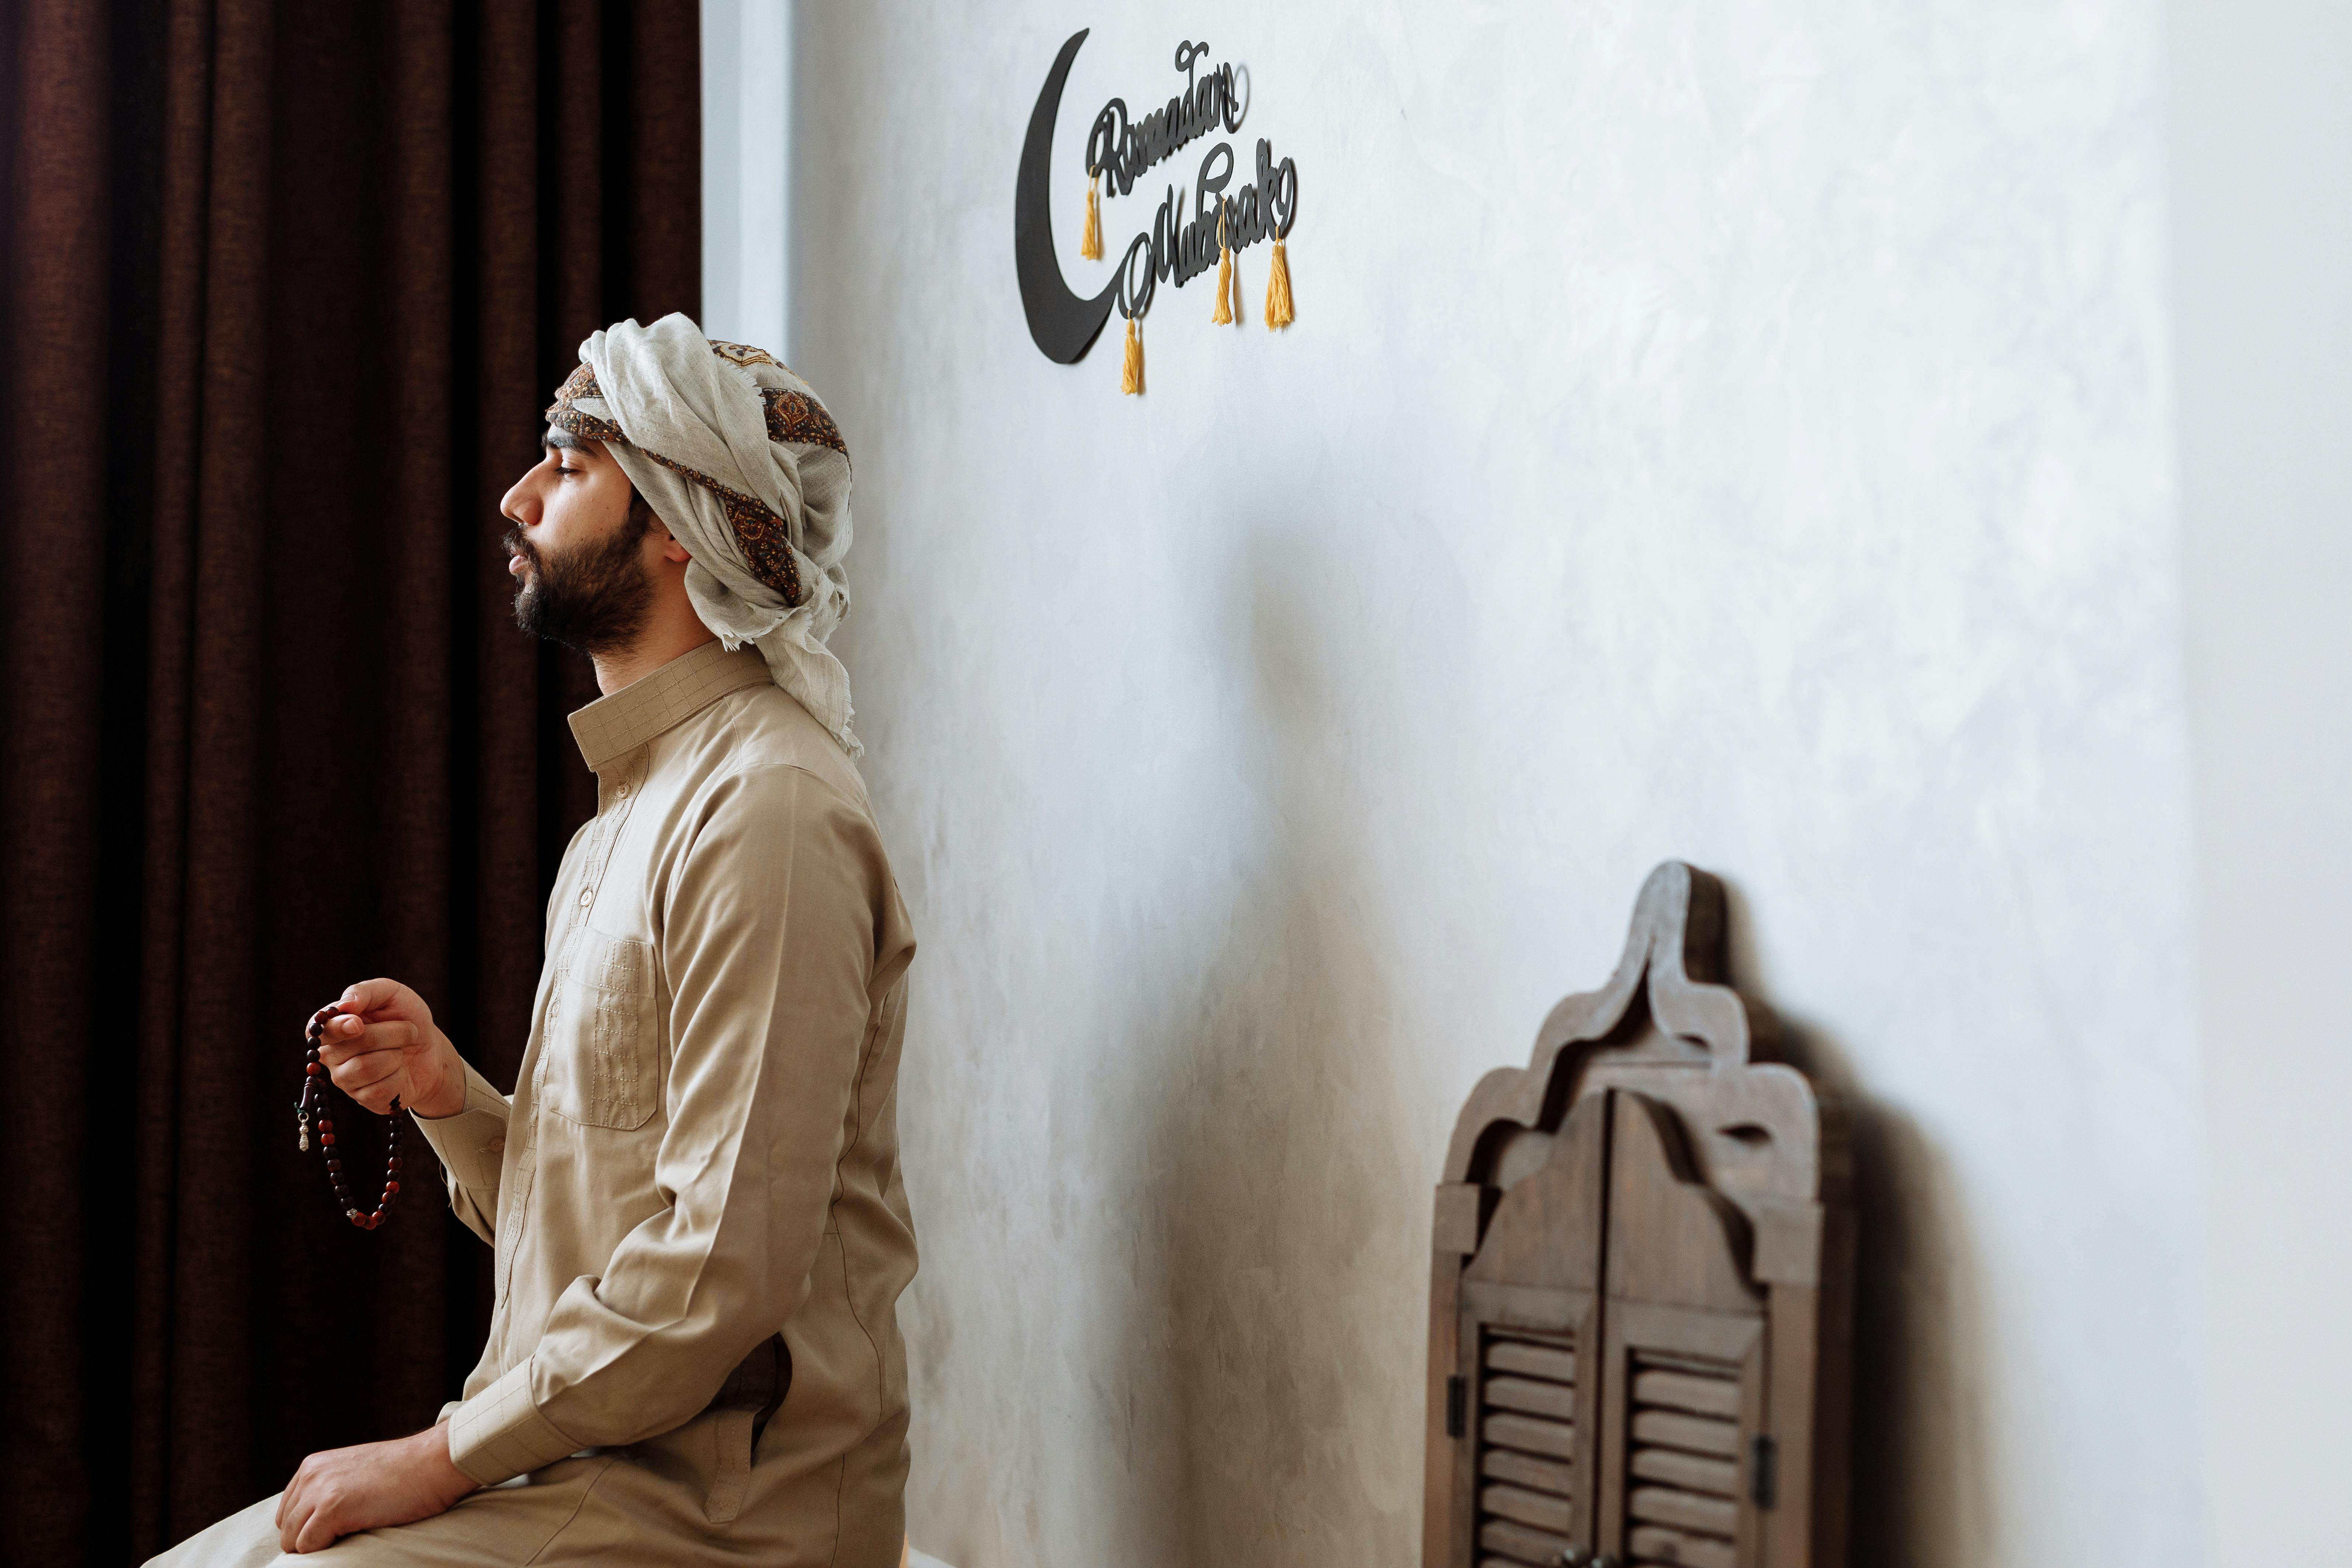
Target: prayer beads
[(312, 1111)]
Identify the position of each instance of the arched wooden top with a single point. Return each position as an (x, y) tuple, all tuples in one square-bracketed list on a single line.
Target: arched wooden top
[(1665, 1023)]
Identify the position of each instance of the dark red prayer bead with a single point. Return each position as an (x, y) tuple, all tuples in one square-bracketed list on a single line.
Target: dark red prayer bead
[(316, 1123)]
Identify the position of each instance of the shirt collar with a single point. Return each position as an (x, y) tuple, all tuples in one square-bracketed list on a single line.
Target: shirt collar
[(611, 727)]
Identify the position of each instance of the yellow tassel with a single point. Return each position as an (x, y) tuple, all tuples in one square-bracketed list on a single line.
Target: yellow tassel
[(1224, 314), (1278, 312), (1131, 370), (1090, 237)]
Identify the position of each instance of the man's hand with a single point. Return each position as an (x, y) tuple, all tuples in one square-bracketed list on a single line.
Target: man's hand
[(384, 1046), (347, 1489)]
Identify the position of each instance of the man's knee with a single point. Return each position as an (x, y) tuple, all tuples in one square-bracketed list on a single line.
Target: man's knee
[(245, 1539)]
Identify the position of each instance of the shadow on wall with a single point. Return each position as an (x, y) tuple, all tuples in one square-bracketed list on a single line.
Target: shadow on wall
[(1920, 1486), (1281, 1251), (1920, 1489), (1269, 1367)]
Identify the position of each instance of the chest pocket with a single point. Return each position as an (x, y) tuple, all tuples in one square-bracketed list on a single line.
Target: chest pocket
[(604, 1044)]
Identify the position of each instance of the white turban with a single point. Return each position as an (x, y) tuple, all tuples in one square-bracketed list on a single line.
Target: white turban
[(743, 465)]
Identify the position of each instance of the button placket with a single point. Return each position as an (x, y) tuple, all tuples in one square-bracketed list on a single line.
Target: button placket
[(597, 856), (612, 820)]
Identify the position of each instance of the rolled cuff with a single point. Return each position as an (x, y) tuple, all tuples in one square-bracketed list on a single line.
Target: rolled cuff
[(472, 1142), (499, 1434)]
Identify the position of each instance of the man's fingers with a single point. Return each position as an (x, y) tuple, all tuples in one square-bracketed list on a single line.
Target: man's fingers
[(368, 996), (378, 1096), (360, 1071), (340, 1043), (316, 1533), (380, 998)]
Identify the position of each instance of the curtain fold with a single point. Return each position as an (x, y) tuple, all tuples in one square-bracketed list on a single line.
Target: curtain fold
[(286, 286)]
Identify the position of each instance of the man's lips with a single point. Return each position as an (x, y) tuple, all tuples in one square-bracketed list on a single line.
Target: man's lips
[(515, 565)]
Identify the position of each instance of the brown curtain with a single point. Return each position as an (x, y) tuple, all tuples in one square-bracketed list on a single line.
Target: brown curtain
[(286, 284)]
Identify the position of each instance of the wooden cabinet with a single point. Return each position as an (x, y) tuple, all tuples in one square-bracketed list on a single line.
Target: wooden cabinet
[(1641, 1292)]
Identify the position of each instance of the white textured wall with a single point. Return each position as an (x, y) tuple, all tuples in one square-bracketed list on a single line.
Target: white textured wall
[(1735, 432), (2263, 154)]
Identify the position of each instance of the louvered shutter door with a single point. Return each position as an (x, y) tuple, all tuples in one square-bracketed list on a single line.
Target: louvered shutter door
[(1641, 1286), (1683, 1371), (1527, 1434), (1522, 1489), (1682, 1461)]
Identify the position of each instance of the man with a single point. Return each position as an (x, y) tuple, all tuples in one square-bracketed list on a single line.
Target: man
[(693, 1193)]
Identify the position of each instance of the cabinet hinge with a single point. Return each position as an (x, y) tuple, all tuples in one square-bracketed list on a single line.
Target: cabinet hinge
[(1762, 1464), (1457, 1406)]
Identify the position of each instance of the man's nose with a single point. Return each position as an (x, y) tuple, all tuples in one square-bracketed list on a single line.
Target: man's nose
[(521, 504)]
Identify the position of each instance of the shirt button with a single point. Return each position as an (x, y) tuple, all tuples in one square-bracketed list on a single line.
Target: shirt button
[(621, 791), (586, 896)]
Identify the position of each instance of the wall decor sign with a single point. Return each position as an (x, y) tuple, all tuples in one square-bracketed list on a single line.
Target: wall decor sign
[(1194, 228)]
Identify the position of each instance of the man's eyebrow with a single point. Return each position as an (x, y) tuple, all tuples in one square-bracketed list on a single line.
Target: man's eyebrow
[(552, 439)]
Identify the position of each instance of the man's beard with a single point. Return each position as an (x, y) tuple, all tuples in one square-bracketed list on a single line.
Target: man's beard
[(594, 598)]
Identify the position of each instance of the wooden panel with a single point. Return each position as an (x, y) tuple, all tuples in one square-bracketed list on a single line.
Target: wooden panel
[(1535, 1309), (1542, 1509), (1684, 1351), (1672, 1505), (1670, 1237), (1650, 1543), (1523, 1543), (1690, 1471), (1527, 1470), (1681, 1390), (1536, 1361), (1523, 1299), (1546, 1231), (1672, 1336), (1680, 1471), (1460, 1207), (1532, 1394), (1530, 1435), (1685, 1432)]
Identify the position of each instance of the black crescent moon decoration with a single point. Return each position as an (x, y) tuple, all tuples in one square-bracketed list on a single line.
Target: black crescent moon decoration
[(1190, 226), (1064, 325)]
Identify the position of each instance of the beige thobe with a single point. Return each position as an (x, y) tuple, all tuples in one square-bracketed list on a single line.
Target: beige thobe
[(701, 1152)]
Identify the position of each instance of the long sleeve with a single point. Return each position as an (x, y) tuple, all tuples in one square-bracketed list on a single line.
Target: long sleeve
[(768, 949), (471, 1144)]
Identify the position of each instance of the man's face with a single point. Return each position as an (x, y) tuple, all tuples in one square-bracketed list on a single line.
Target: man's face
[(577, 553)]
